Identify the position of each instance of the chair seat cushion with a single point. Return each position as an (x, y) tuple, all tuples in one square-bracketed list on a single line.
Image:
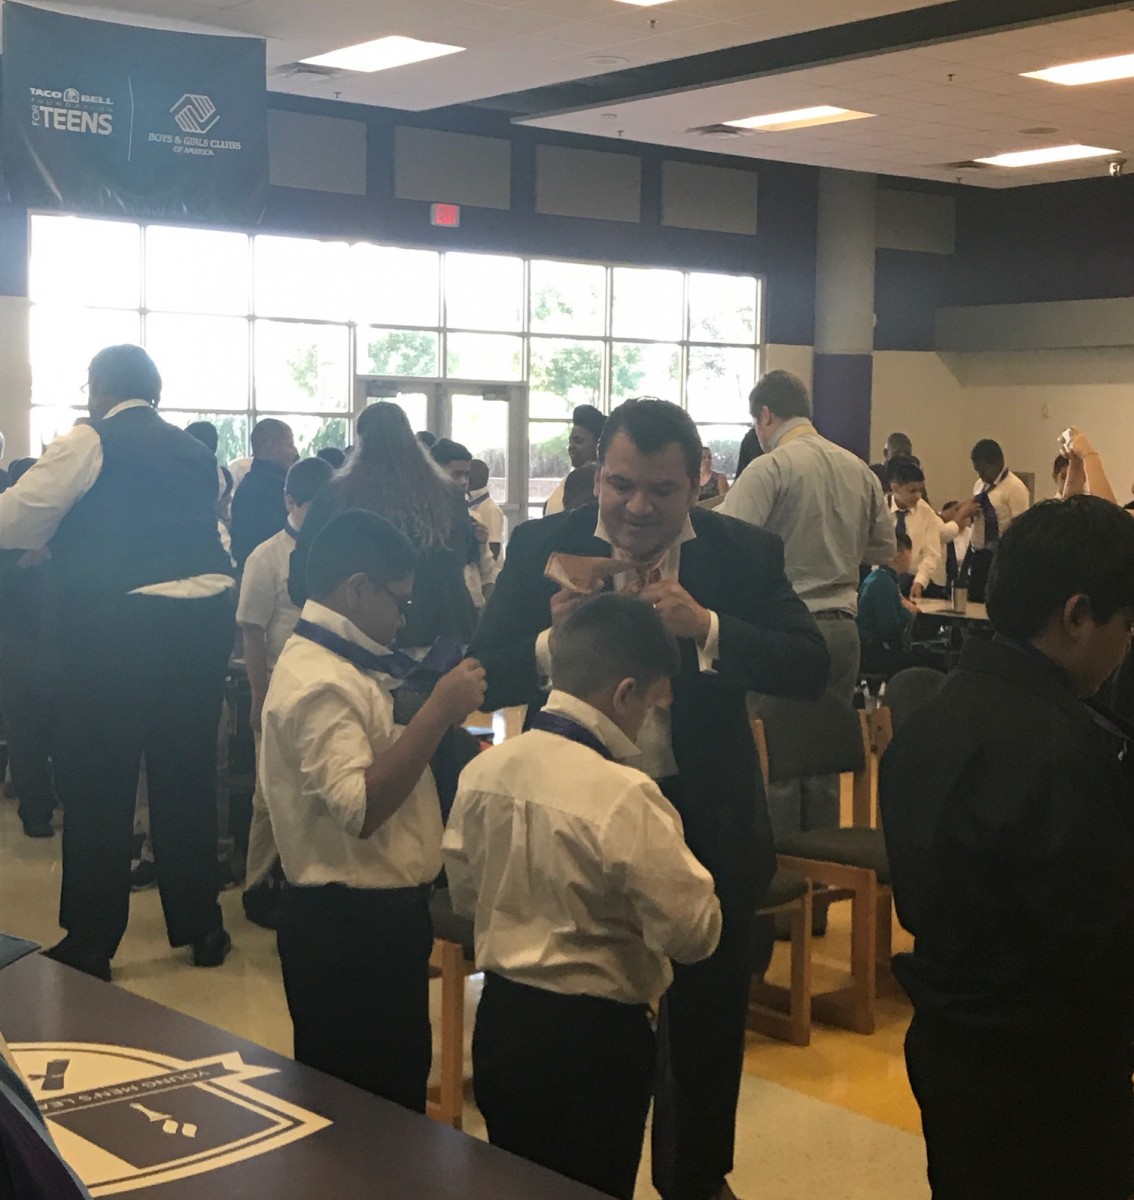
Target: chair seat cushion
[(448, 926), (851, 847), (784, 888)]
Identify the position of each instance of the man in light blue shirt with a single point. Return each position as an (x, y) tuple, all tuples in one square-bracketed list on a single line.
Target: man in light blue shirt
[(827, 506)]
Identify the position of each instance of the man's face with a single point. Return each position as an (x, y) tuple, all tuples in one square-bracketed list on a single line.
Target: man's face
[(644, 499), (281, 450), (906, 495), (582, 446), (1101, 649), (458, 471), (989, 472)]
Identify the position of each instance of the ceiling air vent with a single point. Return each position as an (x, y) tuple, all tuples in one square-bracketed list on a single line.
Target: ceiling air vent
[(967, 164), (291, 70), (718, 132)]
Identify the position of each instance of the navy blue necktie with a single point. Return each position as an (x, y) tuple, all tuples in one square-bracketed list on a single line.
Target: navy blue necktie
[(396, 664), (565, 727), (988, 512), (900, 524)]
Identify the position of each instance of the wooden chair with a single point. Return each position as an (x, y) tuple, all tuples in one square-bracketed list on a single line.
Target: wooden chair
[(774, 1010), (453, 960), (796, 739)]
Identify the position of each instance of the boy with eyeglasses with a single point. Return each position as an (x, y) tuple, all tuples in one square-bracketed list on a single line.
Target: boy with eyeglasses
[(356, 815)]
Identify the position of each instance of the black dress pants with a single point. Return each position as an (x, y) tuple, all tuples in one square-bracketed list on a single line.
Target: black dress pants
[(356, 973), (141, 675), (1010, 1117), (564, 1081), (27, 696)]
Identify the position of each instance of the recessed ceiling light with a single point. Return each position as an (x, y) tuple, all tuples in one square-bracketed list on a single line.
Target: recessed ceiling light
[(607, 60), (1045, 155), (1091, 70), (644, 3), (382, 54), (799, 118)]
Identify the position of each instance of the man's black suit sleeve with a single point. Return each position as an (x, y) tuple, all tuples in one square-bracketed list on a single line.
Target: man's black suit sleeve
[(775, 646), (516, 613)]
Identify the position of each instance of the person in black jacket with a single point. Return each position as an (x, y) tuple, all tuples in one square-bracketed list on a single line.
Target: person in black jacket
[(720, 588), (390, 473), (258, 508), (1008, 807)]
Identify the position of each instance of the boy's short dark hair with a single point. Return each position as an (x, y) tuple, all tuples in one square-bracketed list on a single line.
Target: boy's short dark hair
[(333, 455), (266, 431), (903, 470), (1056, 550), (1061, 464), (446, 451), (608, 639), (652, 425), (427, 439), (478, 474), (587, 417), (306, 477), (357, 543), (205, 432), (783, 394), (904, 541), (579, 487), (125, 373), (988, 453)]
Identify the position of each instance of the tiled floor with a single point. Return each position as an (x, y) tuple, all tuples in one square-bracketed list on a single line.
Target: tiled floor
[(834, 1120)]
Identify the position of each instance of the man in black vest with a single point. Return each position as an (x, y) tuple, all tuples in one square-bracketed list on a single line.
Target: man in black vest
[(720, 588), (258, 508), (146, 624)]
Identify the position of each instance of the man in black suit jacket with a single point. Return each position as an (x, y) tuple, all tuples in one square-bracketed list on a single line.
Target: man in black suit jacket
[(720, 588)]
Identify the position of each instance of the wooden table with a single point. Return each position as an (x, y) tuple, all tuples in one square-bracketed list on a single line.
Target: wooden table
[(945, 610), (145, 1100)]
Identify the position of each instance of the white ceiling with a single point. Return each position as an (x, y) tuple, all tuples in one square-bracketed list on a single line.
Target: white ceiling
[(512, 45), (937, 105)]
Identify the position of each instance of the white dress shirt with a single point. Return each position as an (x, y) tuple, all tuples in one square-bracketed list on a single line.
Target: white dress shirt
[(238, 468), (929, 535), (487, 512), (325, 720), (1010, 498), (656, 739), (555, 500), (32, 511), (264, 598), (574, 868), (827, 506)]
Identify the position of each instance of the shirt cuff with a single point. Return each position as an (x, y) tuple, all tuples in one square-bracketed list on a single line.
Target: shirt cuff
[(543, 658), (711, 651)]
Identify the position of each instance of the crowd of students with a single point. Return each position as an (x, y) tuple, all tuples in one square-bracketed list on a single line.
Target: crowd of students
[(612, 858)]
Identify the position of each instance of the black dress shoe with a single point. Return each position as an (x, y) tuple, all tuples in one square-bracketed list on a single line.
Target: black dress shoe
[(38, 829), (212, 949), (143, 876), (88, 959)]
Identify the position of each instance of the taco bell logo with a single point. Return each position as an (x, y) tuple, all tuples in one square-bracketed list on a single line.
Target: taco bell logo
[(195, 114)]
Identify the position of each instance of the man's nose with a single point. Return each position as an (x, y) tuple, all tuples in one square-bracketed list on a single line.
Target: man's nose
[(640, 504)]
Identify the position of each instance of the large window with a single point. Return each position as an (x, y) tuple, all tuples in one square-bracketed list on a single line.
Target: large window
[(249, 325)]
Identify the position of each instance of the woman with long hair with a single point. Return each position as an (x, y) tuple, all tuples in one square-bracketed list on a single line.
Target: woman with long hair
[(390, 473)]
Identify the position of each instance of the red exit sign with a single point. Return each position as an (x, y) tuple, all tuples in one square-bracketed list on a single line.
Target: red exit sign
[(447, 215)]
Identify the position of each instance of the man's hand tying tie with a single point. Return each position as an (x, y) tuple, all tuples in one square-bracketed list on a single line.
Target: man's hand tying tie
[(680, 613)]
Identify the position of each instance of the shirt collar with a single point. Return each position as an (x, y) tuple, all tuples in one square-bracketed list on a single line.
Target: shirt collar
[(598, 723), (787, 427), (477, 495), (320, 614), (125, 405), (687, 534)]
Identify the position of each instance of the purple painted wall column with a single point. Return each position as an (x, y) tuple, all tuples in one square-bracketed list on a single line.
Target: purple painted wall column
[(844, 308)]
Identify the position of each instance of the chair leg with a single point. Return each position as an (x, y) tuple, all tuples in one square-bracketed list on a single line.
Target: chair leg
[(451, 1098), (864, 958), (800, 1010)]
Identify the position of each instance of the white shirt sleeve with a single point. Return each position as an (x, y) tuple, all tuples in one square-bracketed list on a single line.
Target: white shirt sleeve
[(456, 851), (31, 512), (753, 496), (257, 590), (1017, 500), (671, 891), (931, 559), (494, 521), (554, 501)]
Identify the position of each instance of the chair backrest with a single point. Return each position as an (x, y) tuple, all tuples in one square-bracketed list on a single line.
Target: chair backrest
[(909, 690), (796, 738)]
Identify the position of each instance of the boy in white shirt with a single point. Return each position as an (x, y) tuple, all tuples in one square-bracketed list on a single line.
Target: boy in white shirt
[(483, 509), (930, 535), (355, 814), (1001, 497), (267, 616), (582, 888)]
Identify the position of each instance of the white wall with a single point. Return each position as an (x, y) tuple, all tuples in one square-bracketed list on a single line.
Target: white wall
[(15, 377)]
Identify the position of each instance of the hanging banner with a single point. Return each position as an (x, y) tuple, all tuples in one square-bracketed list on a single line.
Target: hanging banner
[(112, 119)]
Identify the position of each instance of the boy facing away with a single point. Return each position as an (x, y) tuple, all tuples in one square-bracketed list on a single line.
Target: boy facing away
[(576, 872), (1008, 807), (355, 814)]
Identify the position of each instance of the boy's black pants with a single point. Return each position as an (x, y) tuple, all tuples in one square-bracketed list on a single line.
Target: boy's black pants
[(565, 1081), (27, 694), (1022, 1117), (356, 973)]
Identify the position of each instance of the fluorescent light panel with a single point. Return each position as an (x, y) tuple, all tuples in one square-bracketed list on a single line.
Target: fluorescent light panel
[(1091, 70), (799, 118), (644, 3), (382, 54), (1045, 155)]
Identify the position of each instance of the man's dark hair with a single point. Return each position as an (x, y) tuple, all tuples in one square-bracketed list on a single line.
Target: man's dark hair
[(20, 467), (783, 394), (904, 541), (205, 432), (901, 440), (332, 455), (904, 470), (652, 425), (427, 439), (1061, 464), (987, 453), (608, 639), (589, 418), (124, 373), (306, 477), (357, 543), (265, 432), (579, 487), (446, 451), (478, 474), (1056, 550)]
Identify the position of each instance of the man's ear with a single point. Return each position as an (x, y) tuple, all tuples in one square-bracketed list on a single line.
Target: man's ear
[(624, 694), (598, 481), (1076, 611), (352, 590)]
